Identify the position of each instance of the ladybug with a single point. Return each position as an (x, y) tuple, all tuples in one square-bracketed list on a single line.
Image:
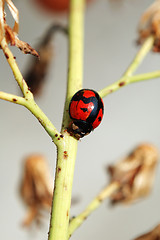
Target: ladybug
[(86, 111)]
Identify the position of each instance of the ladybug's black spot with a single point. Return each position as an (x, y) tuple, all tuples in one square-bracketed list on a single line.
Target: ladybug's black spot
[(84, 109), (99, 119)]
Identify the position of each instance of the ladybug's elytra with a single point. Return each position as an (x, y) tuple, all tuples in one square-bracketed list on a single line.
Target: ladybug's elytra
[(86, 111)]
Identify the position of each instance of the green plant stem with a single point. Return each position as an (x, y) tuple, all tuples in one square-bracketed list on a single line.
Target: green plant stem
[(16, 72), (95, 203), (67, 153), (145, 48), (141, 54), (28, 100), (12, 98), (56, 136), (37, 112), (142, 77), (127, 80)]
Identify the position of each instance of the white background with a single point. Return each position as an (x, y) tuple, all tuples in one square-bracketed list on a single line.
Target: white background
[(132, 116)]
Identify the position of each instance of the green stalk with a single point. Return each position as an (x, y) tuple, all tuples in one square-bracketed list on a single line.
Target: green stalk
[(141, 54), (16, 72), (124, 81), (94, 204), (67, 152), (144, 76), (145, 48), (28, 99), (12, 98)]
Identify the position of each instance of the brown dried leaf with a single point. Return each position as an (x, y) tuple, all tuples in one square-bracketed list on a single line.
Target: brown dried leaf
[(36, 188), (152, 235), (11, 33), (150, 25), (25, 47), (12, 38), (15, 14), (2, 19), (135, 173), (3, 24)]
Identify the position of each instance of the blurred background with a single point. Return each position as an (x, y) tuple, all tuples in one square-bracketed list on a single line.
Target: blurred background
[(132, 116)]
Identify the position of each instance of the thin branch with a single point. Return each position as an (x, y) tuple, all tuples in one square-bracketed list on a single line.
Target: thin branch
[(144, 76), (95, 203), (12, 98), (28, 100), (146, 47), (16, 72), (56, 136), (127, 80), (37, 112)]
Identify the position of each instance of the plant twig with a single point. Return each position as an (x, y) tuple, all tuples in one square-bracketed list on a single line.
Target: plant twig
[(141, 54), (125, 79), (12, 98), (28, 100), (67, 153), (144, 76), (95, 203), (16, 72)]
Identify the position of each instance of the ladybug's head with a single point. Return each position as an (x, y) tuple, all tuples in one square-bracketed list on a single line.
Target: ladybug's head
[(81, 128)]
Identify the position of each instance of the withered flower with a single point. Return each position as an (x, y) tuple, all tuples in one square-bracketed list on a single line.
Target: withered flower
[(150, 25), (152, 235), (36, 187), (11, 34), (135, 173)]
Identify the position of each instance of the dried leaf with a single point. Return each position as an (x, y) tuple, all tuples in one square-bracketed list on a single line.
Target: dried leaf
[(135, 173), (15, 14), (2, 17), (36, 187), (150, 25), (152, 235), (11, 33), (25, 47)]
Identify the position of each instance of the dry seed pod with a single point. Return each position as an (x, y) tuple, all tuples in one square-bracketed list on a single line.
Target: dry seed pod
[(135, 173), (36, 187), (152, 235), (150, 25)]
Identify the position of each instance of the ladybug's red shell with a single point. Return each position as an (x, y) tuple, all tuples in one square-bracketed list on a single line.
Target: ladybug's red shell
[(86, 111)]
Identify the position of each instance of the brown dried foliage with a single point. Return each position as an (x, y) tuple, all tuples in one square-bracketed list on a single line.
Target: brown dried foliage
[(152, 235), (150, 25), (135, 173), (11, 34), (36, 187)]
